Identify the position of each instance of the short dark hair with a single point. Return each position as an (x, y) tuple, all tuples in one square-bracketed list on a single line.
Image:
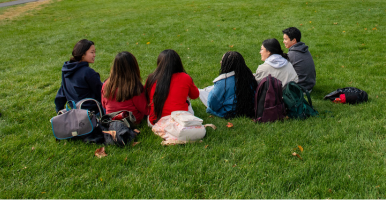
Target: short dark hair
[(292, 33)]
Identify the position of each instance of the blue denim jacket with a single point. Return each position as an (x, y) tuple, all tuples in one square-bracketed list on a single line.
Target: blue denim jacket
[(222, 98)]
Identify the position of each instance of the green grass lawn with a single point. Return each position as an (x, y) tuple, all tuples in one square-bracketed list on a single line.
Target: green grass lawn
[(344, 148)]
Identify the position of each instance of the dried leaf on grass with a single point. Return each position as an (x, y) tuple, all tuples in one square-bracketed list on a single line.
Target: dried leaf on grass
[(297, 155), (100, 152), (229, 125), (135, 143), (301, 148)]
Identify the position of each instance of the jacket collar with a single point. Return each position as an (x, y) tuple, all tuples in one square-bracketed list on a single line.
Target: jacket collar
[(224, 76)]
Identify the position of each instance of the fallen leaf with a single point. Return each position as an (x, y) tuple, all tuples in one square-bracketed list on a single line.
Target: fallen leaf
[(344, 31), (231, 46), (234, 165), (335, 23), (301, 24), (101, 179), (136, 43), (178, 35), (147, 42), (377, 186), (43, 192), (49, 158), (126, 159), (234, 28), (229, 125), (365, 28), (135, 143), (218, 25), (297, 155), (375, 28), (329, 190), (310, 22), (210, 116), (33, 148), (342, 66), (376, 97), (301, 148), (100, 152)]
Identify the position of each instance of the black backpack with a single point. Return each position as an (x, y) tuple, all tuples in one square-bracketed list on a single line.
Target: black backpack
[(269, 104), (295, 103), (353, 95)]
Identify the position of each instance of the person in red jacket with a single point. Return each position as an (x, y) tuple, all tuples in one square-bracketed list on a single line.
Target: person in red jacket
[(123, 89), (168, 87)]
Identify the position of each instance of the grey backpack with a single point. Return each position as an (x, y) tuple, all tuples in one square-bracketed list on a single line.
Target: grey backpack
[(76, 121)]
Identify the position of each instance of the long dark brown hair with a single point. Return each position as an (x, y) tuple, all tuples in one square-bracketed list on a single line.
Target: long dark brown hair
[(125, 79), (245, 84), (80, 49), (168, 63)]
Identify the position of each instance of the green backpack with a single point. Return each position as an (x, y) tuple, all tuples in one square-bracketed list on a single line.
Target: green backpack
[(295, 103)]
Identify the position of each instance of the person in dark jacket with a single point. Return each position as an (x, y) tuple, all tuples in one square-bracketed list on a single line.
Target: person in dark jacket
[(79, 81), (300, 58)]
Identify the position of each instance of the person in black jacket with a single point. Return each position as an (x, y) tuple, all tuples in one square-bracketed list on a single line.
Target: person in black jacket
[(300, 58), (79, 81)]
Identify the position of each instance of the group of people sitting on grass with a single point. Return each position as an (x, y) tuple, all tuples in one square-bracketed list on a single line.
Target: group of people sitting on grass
[(169, 88)]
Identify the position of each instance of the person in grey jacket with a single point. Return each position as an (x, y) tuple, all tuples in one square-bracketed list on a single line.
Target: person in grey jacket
[(300, 58)]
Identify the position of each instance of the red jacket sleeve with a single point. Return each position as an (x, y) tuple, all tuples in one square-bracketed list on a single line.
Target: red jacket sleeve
[(193, 91)]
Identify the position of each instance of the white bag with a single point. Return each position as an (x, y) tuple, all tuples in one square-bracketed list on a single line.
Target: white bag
[(180, 126)]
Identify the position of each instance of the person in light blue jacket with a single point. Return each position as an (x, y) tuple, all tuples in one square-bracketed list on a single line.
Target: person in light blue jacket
[(233, 92)]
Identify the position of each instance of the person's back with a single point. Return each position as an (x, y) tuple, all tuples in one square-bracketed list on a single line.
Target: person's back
[(303, 64), (233, 91), (79, 81), (168, 87), (123, 89), (300, 58)]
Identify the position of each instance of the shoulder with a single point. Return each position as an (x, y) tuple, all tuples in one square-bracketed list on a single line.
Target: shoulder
[(182, 76), (264, 66)]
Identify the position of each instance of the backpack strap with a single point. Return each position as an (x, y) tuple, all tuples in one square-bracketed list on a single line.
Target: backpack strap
[(80, 103), (308, 97)]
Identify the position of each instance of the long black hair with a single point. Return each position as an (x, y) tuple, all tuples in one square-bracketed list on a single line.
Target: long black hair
[(168, 63), (80, 49), (273, 46), (245, 84)]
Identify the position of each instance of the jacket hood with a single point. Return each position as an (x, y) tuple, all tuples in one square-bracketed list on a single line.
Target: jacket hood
[(70, 68), (300, 46), (276, 61)]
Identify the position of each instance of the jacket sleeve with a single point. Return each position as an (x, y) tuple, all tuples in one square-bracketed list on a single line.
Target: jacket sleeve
[(60, 99), (95, 84), (193, 91), (260, 75), (140, 103), (215, 97)]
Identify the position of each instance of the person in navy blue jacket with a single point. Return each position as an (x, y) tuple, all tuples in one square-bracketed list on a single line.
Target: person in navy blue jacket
[(234, 89), (79, 81)]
